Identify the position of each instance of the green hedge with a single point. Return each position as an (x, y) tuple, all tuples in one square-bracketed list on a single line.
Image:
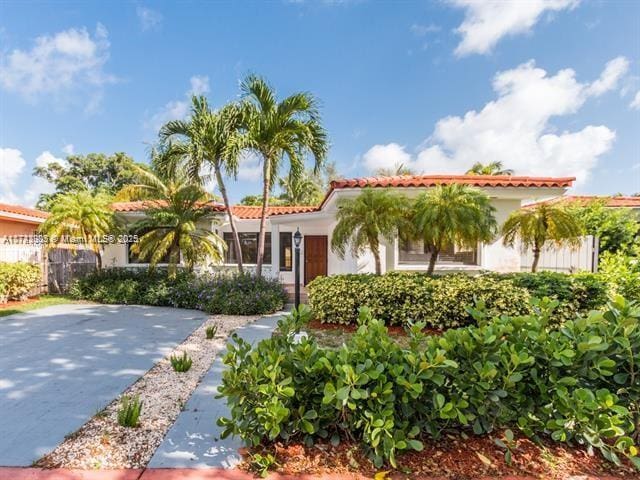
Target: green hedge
[(18, 279), (577, 383), (230, 294), (442, 301)]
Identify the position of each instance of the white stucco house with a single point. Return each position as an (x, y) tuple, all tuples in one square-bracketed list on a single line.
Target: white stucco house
[(316, 223)]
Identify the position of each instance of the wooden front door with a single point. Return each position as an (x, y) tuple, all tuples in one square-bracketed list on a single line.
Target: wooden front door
[(315, 256)]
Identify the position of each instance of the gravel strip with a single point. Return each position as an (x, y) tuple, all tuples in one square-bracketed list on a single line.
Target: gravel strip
[(103, 444)]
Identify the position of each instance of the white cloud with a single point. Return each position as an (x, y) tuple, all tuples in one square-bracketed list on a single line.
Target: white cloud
[(421, 30), (385, 156), (40, 185), (11, 165), (486, 22), (68, 149), (199, 85), (179, 109), (66, 66), (515, 129), (149, 19), (250, 169), (635, 103), (611, 75)]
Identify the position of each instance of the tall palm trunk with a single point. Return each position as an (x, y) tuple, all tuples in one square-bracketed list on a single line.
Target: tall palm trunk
[(232, 222), (432, 261), (536, 258), (98, 260), (266, 187), (375, 249)]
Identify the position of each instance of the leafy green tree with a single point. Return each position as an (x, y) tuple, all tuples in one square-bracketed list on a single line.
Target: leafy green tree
[(616, 228), (211, 143), (537, 225), (176, 222), (452, 214), (93, 172), (365, 219), (81, 215), (492, 168), (278, 131)]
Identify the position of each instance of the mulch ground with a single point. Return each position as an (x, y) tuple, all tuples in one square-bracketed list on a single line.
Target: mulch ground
[(18, 303), (455, 457)]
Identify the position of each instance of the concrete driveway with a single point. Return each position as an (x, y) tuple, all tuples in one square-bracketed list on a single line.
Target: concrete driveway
[(60, 365)]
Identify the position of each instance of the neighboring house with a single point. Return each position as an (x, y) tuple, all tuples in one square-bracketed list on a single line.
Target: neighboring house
[(618, 201), (316, 224), (18, 220), (18, 224)]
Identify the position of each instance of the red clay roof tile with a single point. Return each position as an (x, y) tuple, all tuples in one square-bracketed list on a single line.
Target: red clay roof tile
[(433, 180), (20, 210), (240, 211)]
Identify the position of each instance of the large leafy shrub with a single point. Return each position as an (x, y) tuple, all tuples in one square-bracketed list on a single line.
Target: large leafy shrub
[(442, 301), (576, 293), (622, 272), (230, 294), (577, 383), (18, 279)]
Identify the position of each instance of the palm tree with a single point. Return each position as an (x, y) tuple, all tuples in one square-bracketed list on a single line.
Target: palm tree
[(279, 130), (212, 141), (452, 214), (175, 207), (363, 220), (398, 170), (492, 168), (304, 189), (84, 216), (539, 224)]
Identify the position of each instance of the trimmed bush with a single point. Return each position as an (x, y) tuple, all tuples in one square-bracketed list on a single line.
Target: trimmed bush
[(18, 279), (442, 301), (230, 294), (397, 298), (577, 383), (576, 293)]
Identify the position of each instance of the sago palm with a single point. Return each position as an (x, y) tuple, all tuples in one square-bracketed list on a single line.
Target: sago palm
[(277, 131), (364, 220), (492, 168), (452, 214), (176, 209), (211, 143), (537, 225), (83, 216)]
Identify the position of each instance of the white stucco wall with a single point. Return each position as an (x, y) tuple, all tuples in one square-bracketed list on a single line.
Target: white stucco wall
[(492, 256), (495, 256)]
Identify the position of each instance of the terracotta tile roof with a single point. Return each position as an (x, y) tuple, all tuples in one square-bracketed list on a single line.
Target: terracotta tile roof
[(433, 180), (611, 201), (139, 205), (244, 211), (240, 211), (20, 210)]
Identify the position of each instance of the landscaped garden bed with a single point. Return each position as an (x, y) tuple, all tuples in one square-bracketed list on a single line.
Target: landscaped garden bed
[(455, 456), (570, 387), (102, 443), (221, 293)]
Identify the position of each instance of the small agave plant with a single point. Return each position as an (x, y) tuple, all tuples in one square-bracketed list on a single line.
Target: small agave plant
[(129, 411), (211, 331), (182, 363)]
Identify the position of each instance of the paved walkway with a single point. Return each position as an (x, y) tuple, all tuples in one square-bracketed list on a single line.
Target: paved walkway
[(193, 441), (60, 365)]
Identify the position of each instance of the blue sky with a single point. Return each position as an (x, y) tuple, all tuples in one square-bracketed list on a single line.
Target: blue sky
[(550, 87)]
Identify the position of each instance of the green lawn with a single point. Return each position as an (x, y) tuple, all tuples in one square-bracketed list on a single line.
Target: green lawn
[(42, 301)]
